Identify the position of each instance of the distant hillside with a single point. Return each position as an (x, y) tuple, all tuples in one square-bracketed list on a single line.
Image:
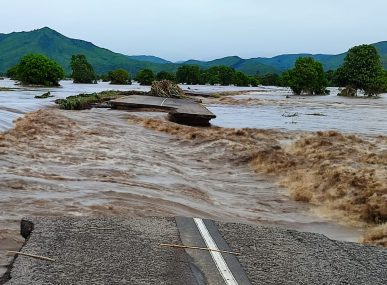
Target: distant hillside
[(60, 48), (149, 58), (283, 62), (382, 48), (286, 61), (248, 66)]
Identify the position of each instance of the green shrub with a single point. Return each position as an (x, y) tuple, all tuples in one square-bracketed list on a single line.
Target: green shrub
[(83, 72), (241, 79), (13, 72), (145, 77), (164, 75), (189, 74), (362, 69), (307, 77), (120, 76), (86, 101), (37, 69)]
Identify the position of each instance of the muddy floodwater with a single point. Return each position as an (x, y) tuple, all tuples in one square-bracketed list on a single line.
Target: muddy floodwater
[(277, 108), (95, 162)]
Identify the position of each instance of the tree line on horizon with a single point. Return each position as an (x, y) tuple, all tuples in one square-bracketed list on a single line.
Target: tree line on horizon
[(362, 70)]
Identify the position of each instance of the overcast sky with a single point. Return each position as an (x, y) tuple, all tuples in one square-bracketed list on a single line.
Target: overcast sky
[(205, 29)]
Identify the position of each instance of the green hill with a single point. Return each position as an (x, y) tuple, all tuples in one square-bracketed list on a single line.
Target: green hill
[(46, 41), (382, 48), (286, 61), (149, 58), (60, 48), (248, 66), (283, 62)]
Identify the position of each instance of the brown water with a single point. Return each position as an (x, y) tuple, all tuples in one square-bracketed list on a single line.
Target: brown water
[(95, 162), (277, 108)]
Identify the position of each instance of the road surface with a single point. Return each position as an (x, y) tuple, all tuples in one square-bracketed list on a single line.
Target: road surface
[(131, 251)]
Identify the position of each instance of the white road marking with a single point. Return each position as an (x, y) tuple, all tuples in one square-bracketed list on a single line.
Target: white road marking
[(162, 103), (216, 256)]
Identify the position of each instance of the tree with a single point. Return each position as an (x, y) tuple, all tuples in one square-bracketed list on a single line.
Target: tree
[(164, 75), (307, 77), (83, 72), (105, 77), (222, 75), (189, 74), (254, 82), (270, 79), (13, 72), (241, 79), (119, 76), (362, 69), (145, 77), (226, 75), (37, 69), (331, 77)]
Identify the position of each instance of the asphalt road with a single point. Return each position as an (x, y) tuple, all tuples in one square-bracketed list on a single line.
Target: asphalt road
[(129, 251), (185, 111)]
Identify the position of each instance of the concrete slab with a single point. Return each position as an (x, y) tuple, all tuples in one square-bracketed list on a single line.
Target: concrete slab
[(180, 110)]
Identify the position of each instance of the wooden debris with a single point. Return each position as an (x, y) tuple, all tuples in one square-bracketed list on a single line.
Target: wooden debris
[(167, 89), (30, 255), (198, 248)]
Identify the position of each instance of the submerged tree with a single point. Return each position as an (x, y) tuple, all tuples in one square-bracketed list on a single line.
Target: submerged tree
[(145, 77), (83, 72), (362, 69), (13, 72), (222, 75), (119, 76), (270, 79), (164, 75), (189, 74), (37, 69), (306, 77), (241, 79)]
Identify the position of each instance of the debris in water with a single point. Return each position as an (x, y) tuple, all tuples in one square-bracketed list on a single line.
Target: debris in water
[(167, 89), (316, 114), (44, 95), (289, 115)]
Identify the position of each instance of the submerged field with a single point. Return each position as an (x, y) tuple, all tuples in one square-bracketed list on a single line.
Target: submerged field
[(107, 162)]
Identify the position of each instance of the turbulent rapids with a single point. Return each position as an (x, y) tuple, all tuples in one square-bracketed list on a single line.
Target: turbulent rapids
[(345, 174), (117, 163)]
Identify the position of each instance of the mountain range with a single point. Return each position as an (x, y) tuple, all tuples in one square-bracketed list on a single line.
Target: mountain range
[(60, 48)]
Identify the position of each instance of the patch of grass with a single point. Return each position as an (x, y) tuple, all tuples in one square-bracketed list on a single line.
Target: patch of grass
[(87, 101)]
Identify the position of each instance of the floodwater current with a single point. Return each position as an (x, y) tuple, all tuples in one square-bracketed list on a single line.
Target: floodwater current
[(276, 108), (94, 162)]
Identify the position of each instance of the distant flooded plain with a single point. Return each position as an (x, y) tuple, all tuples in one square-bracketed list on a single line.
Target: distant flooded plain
[(277, 108), (101, 162)]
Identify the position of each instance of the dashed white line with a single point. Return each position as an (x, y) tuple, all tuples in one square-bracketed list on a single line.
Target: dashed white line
[(220, 263)]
